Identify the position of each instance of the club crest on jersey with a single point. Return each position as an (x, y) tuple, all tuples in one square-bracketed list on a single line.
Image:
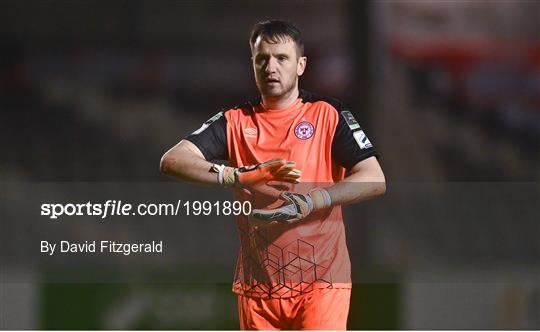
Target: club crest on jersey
[(304, 130)]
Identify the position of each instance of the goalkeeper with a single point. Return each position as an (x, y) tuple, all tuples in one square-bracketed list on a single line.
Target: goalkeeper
[(288, 152)]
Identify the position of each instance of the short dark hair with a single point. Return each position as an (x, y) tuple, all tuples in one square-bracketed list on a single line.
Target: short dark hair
[(276, 31)]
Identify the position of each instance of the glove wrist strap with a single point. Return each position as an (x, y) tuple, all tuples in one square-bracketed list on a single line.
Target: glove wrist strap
[(226, 176), (321, 198)]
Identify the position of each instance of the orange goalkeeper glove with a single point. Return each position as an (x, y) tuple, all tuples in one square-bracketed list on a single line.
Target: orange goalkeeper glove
[(277, 169)]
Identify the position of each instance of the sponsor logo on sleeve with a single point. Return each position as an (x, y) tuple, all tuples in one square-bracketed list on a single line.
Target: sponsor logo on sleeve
[(351, 121), (362, 139)]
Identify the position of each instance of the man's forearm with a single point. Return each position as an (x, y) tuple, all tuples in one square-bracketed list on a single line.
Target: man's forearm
[(185, 163), (357, 188), (361, 185), (365, 182)]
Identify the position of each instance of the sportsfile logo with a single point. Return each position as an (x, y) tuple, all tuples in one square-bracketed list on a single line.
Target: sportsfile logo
[(109, 208), (118, 208)]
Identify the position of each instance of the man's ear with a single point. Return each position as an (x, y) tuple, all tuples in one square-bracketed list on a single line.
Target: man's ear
[(302, 62)]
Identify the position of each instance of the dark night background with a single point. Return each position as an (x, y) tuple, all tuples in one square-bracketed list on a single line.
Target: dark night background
[(448, 92)]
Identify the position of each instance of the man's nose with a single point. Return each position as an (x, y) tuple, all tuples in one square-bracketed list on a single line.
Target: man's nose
[(271, 66)]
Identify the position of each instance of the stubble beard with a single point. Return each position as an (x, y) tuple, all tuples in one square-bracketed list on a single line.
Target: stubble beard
[(277, 93)]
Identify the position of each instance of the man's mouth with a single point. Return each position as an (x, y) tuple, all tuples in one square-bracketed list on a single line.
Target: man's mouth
[(271, 80)]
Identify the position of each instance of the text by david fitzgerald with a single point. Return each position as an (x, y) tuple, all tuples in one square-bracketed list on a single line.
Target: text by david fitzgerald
[(114, 247)]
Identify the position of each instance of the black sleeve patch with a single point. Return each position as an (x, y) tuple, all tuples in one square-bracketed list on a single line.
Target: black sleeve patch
[(211, 138), (350, 144), (351, 121)]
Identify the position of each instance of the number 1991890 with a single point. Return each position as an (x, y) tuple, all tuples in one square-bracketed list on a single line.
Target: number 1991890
[(218, 208)]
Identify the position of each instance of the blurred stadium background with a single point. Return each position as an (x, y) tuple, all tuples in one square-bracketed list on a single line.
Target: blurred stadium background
[(449, 92)]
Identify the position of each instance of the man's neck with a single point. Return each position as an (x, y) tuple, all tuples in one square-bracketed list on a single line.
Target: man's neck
[(281, 102)]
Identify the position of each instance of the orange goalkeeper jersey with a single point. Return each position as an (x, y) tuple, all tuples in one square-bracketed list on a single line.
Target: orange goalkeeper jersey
[(324, 140)]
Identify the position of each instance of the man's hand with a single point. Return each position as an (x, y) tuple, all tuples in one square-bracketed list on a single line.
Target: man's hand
[(296, 207), (277, 169)]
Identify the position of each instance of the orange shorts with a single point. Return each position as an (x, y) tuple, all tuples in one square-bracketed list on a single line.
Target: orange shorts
[(320, 309)]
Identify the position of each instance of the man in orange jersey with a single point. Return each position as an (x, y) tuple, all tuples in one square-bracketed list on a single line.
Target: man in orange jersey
[(288, 153)]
